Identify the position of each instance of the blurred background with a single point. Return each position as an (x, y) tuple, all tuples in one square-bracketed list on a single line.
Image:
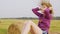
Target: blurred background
[(23, 8), (13, 11)]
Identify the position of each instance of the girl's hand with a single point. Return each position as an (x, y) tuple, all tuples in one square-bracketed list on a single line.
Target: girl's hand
[(41, 9), (50, 8)]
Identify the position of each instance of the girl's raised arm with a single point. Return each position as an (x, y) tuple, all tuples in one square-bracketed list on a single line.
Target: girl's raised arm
[(35, 11)]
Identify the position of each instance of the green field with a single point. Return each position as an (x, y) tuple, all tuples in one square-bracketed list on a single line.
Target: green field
[(4, 24)]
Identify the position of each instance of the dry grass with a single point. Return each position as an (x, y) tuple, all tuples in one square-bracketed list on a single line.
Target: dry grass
[(6, 23)]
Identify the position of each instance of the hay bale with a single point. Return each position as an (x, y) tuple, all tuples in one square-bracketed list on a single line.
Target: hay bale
[(15, 28)]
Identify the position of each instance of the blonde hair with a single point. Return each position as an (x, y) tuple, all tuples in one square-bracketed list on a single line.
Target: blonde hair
[(48, 5)]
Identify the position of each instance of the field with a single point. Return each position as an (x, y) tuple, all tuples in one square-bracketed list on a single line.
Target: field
[(4, 24)]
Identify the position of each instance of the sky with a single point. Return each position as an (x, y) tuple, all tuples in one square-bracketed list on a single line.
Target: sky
[(23, 8)]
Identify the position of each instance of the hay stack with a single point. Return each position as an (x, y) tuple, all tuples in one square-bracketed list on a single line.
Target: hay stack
[(15, 28)]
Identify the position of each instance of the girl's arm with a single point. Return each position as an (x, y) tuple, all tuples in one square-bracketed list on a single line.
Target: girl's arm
[(35, 11)]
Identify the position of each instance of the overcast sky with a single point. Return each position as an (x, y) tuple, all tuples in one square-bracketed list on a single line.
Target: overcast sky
[(22, 8)]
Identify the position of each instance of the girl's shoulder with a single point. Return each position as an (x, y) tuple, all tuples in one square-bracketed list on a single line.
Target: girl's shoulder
[(48, 9)]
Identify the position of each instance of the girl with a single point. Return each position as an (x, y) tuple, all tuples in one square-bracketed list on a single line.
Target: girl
[(45, 16), (44, 20)]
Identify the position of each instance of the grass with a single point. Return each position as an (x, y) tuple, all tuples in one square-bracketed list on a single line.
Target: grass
[(4, 24), (3, 31)]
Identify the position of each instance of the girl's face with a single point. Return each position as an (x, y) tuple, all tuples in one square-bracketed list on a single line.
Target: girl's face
[(44, 6)]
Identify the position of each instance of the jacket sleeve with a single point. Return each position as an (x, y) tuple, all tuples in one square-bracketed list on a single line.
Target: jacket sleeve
[(35, 11)]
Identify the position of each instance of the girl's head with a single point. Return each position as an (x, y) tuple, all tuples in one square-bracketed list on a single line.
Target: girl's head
[(47, 5)]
